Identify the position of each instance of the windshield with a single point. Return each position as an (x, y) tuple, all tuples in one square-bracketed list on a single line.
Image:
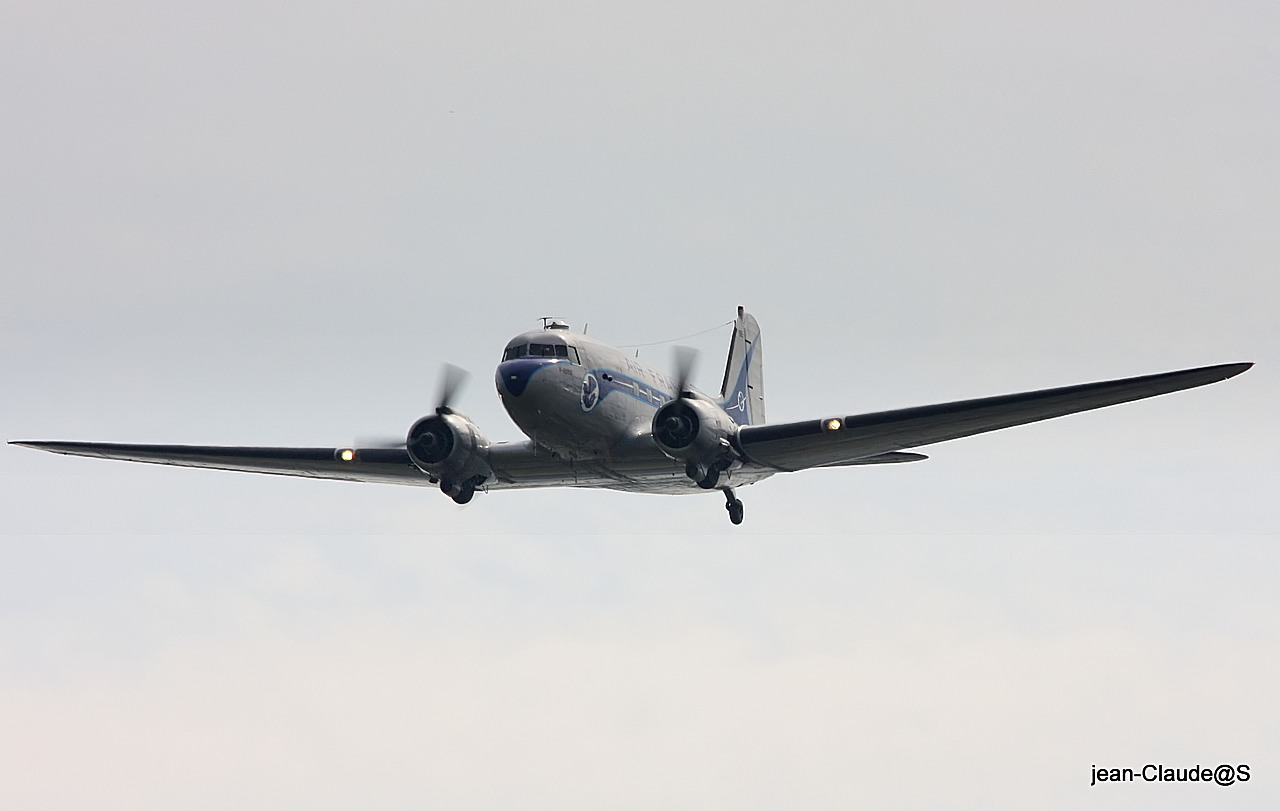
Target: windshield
[(541, 351)]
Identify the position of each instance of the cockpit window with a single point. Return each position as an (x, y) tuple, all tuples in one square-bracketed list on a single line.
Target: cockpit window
[(541, 351), (549, 350)]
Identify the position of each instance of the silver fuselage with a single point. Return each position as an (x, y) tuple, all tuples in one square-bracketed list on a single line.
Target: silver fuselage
[(592, 405)]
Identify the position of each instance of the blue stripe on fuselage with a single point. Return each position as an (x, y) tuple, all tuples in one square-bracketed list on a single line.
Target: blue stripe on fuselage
[(514, 375), (611, 381)]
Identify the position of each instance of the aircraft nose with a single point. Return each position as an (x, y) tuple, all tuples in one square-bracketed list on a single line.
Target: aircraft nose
[(514, 375)]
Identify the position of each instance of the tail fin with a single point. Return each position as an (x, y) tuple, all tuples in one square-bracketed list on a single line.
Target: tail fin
[(742, 393)]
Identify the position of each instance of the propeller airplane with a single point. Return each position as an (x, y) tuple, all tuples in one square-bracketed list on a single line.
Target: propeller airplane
[(597, 417)]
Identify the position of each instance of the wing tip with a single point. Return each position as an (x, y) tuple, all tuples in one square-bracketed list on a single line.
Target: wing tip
[(1221, 372), (1214, 373), (52, 446), (1232, 369)]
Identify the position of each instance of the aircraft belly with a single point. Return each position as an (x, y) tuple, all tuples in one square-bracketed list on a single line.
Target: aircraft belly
[(640, 468)]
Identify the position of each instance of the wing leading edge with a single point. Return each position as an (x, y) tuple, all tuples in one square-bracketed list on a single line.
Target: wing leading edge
[(515, 466), (811, 443), (390, 465)]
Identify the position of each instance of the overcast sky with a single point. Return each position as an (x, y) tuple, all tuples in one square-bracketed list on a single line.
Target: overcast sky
[(255, 225)]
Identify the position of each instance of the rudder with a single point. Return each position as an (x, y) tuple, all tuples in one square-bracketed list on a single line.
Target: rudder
[(742, 392)]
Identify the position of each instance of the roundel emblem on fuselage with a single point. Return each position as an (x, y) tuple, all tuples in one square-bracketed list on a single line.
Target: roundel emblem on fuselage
[(590, 392)]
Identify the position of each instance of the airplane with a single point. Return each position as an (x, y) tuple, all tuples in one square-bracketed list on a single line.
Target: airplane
[(598, 417)]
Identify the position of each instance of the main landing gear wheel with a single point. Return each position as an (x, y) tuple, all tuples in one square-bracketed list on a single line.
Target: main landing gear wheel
[(461, 493), (733, 505)]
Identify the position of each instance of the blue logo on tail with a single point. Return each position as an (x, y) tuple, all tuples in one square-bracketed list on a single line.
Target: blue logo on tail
[(736, 403), (740, 404)]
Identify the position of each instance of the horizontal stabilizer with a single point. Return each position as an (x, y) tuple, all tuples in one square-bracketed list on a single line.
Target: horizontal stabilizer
[(895, 458)]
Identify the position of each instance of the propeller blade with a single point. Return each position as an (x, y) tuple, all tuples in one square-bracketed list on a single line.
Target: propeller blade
[(452, 379), (686, 358)]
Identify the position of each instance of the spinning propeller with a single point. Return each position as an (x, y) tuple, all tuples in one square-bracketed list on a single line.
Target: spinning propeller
[(676, 424), (686, 358), (452, 380), (430, 439)]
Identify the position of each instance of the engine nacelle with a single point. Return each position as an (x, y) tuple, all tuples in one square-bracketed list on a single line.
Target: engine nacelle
[(700, 434), (449, 447)]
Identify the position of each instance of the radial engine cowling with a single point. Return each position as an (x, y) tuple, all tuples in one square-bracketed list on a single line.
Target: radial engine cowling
[(449, 446), (698, 433)]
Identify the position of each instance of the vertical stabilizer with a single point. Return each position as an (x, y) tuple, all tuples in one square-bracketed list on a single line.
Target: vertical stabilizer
[(742, 393)]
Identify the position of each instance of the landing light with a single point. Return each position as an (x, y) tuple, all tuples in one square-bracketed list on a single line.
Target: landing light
[(346, 454), (831, 425)]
